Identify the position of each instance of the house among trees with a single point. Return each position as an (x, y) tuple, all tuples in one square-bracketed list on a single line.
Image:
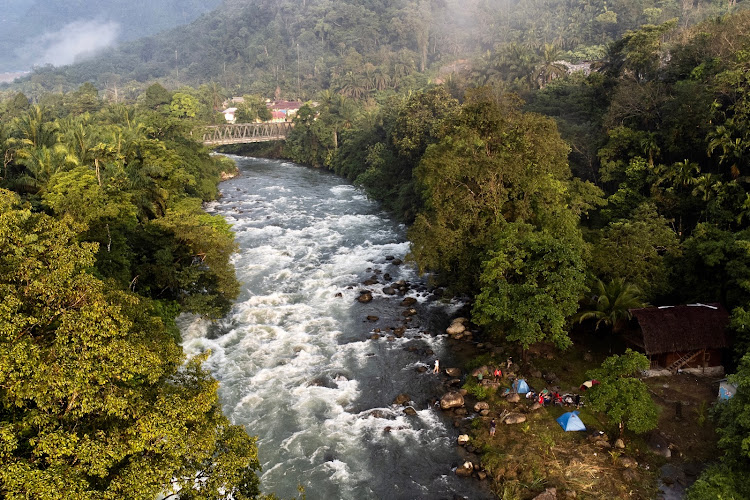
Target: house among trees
[(687, 337), (282, 111)]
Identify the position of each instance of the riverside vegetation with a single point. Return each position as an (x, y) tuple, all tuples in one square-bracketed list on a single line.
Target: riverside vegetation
[(535, 193)]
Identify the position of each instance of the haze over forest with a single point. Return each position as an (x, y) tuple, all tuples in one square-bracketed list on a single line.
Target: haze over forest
[(40, 32)]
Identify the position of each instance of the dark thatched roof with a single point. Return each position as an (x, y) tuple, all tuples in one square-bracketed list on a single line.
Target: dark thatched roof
[(682, 328)]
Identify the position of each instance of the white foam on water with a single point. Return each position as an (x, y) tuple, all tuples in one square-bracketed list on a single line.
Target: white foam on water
[(284, 371)]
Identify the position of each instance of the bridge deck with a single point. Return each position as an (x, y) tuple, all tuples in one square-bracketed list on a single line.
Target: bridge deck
[(245, 133)]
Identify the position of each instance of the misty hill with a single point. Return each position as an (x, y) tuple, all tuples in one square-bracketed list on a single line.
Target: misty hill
[(38, 32), (353, 46)]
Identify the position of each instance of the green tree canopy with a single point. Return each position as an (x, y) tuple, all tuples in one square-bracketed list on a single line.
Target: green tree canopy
[(621, 395), (96, 400)]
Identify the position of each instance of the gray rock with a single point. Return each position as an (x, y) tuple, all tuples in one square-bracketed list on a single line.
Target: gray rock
[(451, 400), (481, 405), (515, 418), (389, 290)]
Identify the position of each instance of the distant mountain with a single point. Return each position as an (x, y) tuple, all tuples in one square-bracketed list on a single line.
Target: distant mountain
[(39, 32), (357, 46)]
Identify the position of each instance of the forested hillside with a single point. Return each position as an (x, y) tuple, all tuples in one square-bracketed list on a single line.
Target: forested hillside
[(34, 31), (656, 210), (102, 243), (303, 46)]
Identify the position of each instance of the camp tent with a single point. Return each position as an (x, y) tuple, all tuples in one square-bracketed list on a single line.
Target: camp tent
[(520, 386), (726, 390), (570, 422)]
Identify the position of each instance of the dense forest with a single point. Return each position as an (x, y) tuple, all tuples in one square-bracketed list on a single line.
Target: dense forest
[(546, 195), (103, 242), (650, 208), (302, 46)]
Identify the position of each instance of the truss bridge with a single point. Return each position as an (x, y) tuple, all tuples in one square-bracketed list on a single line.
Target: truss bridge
[(245, 133)]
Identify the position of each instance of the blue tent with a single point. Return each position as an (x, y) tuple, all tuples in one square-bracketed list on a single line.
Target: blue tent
[(570, 422), (520, 386)]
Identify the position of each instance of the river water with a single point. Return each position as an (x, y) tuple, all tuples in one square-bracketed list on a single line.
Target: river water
[(294, 357)]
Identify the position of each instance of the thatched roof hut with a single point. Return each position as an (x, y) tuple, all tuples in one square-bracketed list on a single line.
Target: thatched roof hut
[(676, 336)]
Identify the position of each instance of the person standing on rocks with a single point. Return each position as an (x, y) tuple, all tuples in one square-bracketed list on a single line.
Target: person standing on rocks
[(437, 366), (493, 426)]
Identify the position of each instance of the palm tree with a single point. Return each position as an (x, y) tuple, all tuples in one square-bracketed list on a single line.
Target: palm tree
[(611, 304), (551, 67)]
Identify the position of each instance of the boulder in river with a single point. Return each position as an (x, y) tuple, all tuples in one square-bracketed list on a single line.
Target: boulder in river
[(463, 439), (409, 410), (408, 301), (401, 399), (453, 372), (389, 290), (365, 296), (464, 470), (457, 327), (372, 318), (451, 400)]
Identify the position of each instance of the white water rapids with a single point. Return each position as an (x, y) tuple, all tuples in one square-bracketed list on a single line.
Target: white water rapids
[(294, 357)]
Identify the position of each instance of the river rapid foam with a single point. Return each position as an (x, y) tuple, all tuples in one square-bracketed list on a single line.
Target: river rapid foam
[(294, 357)]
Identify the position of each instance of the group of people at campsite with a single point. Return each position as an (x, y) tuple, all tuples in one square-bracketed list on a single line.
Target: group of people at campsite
[(546, 397)]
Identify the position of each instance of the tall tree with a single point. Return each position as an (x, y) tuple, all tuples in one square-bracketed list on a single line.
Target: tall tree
[(96, 401)]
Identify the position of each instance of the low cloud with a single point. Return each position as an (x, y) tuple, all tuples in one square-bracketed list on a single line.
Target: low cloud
[(75, 42)]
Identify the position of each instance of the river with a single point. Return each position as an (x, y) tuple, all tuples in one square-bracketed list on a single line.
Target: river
[(295, 359)]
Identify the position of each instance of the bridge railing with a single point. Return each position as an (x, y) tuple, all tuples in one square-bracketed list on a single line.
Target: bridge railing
[(242, 133)]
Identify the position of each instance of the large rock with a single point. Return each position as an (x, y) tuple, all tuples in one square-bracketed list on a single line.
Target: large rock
[(481, 405), (463, 439), (365, 296), (465, 470), (456, 328), (535, 406), (514, 397), (401, 399), (515, 418), (408, 301), (451, 400), (453, 372)]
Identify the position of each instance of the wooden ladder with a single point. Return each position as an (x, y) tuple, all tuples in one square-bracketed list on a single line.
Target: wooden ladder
[(687, 358)]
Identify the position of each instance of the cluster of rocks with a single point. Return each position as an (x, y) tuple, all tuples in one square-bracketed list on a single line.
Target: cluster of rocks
[(459, 330)]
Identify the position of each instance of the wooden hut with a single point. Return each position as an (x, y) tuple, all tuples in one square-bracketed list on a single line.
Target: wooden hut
[(678, 337)]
